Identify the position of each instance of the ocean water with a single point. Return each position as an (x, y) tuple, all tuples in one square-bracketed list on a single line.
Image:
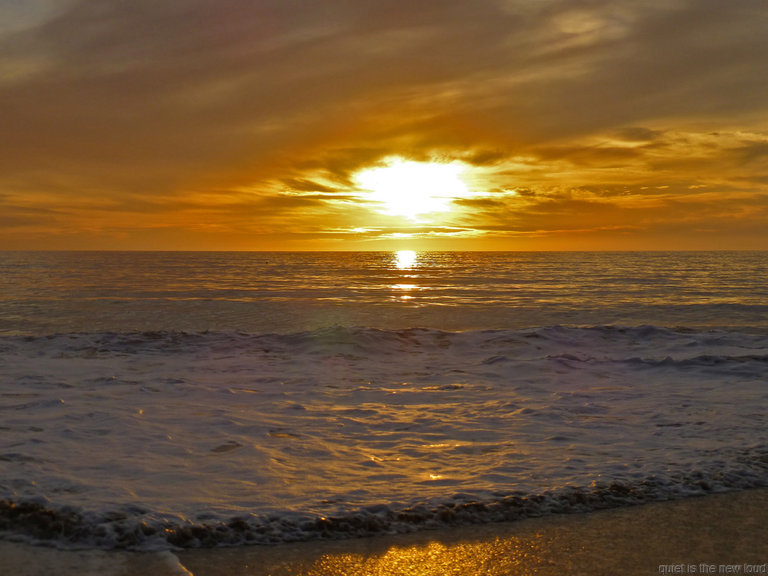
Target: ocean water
[(166, 400)]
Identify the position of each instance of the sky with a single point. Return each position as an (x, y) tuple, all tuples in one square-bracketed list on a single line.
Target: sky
[(383, 124)]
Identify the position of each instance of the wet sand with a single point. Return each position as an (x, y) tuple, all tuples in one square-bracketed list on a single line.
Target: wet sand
[(718, 534)]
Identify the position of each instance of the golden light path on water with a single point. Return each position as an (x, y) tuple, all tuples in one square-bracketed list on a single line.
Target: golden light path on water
[(405, 259)]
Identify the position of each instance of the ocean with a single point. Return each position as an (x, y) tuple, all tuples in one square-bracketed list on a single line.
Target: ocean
[(164, 400)]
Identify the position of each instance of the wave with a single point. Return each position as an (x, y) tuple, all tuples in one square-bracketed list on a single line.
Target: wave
[(69, 527), (162, 439), (362, 337)]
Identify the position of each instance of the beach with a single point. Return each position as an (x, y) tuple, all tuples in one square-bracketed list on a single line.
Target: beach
[(716, 534), (328, 413)]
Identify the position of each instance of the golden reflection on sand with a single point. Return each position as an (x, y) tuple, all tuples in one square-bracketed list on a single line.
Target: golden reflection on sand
[(634, 541), (498, 557)]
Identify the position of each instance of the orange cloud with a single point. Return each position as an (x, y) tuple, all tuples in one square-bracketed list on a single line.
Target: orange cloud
[(235, 124)]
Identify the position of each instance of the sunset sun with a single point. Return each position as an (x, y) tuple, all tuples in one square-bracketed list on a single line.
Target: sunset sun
[(414, 189), (281, 279)]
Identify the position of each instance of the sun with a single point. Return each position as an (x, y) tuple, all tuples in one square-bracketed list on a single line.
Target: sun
[(413, 189)]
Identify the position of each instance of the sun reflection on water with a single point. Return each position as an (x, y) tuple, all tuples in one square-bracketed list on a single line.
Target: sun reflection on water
[(405, 259)]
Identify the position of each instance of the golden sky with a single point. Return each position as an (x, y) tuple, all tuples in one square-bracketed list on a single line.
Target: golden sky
[(384, 124)]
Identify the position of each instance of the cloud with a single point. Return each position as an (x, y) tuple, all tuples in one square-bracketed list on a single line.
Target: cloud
[(638, 134), (304, 185), (753, 152), (149, 107)]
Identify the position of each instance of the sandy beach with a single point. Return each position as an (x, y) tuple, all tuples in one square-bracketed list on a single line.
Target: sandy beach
[(717, 534)]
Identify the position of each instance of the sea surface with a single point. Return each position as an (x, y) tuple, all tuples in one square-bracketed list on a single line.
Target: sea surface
[(158, 400)]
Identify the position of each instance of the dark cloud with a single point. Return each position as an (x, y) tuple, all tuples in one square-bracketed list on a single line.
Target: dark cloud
[(492, 204), (586, 155), (753, 152), (638, 134), (304, 185), (486, 157)]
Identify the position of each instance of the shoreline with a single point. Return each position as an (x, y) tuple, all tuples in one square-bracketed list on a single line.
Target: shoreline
[(714, 534)]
